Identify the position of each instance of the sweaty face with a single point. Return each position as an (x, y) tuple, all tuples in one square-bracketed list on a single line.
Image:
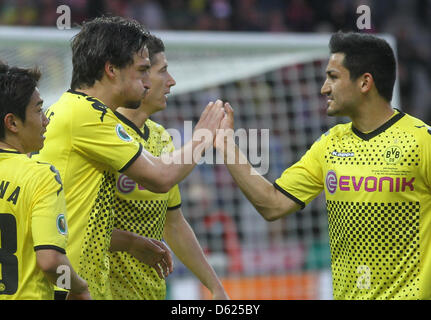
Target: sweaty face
[(161, 83), (31, 131), (343, 93), (135, 80)]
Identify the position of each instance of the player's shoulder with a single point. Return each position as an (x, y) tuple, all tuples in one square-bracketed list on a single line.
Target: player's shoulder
[(340, 129), (83, 107), (34, 172), (336, 131), (410, 122), (41, 168), (416, 127), (158, 130), (153, 125)]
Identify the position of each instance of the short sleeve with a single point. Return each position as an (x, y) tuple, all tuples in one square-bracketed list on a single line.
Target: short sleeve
[(174, 200), (49, 218), (427, 157), (303, 181), (106, 141)]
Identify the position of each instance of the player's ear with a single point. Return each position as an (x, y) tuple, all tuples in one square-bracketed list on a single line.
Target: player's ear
[(366, 82), (11, 122), (110, 70)]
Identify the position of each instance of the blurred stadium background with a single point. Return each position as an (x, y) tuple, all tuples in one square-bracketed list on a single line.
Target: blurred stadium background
[(267, 57)]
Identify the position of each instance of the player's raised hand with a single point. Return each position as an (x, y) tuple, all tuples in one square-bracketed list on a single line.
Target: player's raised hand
[(220, 295), (226, 127), (79, 290), (209, 121), (153, 253)]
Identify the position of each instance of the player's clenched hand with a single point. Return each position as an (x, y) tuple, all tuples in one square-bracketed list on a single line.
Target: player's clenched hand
[(226, 129), (153, 253), (85, 295)]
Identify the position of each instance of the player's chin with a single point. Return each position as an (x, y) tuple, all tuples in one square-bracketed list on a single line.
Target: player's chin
[(36, 147), (161, 105), (132, 104), (331, 111)]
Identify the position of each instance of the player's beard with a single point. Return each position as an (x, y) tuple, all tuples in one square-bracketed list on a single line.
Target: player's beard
[(132, 104)]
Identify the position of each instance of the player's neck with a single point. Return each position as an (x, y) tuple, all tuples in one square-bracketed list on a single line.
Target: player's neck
[(371, 116), (11, 144), (137, 116), (103, 93)]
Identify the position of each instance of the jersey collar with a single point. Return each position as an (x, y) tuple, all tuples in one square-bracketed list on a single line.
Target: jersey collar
[(9, 151), (144, 135), (368, 136), (77, 92)]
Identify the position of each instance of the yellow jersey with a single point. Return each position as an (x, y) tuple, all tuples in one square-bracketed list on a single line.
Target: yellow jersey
[(32, 217), (378, 196), (143, 212), (87, 144)]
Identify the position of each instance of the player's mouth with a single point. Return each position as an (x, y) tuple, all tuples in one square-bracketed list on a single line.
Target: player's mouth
[(144, 94)]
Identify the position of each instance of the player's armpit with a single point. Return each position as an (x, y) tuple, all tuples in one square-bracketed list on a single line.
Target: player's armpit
[(151, 173)]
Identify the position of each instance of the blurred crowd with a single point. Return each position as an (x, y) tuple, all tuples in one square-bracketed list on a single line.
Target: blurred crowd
[(408, 20)]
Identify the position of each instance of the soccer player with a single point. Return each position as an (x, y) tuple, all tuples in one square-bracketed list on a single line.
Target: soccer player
[(33, 229), (88, 144), (155, 215), (375, 171)]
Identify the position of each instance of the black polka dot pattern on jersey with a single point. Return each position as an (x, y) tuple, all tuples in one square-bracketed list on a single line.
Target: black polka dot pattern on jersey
[(383, 238)]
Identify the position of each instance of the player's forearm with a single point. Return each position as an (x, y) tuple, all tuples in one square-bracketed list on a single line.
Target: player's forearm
[(176, 166), (182, 240), (55, 265), (121, 240), (160, 174), (258, 190)]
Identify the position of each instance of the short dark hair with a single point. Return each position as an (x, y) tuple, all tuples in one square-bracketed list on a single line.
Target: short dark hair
[(17, 85), (365, 53), (103, 39), (154, 45)]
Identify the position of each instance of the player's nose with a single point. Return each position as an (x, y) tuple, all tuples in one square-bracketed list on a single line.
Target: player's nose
[(171, 81), (326, 89)]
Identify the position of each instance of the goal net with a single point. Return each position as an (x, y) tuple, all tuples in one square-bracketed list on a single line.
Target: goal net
[(273, 82)]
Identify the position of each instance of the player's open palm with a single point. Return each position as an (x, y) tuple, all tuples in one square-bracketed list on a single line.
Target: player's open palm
[(209, 120), (153, 253), (226, 127)]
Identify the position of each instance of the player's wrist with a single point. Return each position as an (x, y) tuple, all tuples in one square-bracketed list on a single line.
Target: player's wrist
[(132, 243), (80, 287), (224, 140)]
